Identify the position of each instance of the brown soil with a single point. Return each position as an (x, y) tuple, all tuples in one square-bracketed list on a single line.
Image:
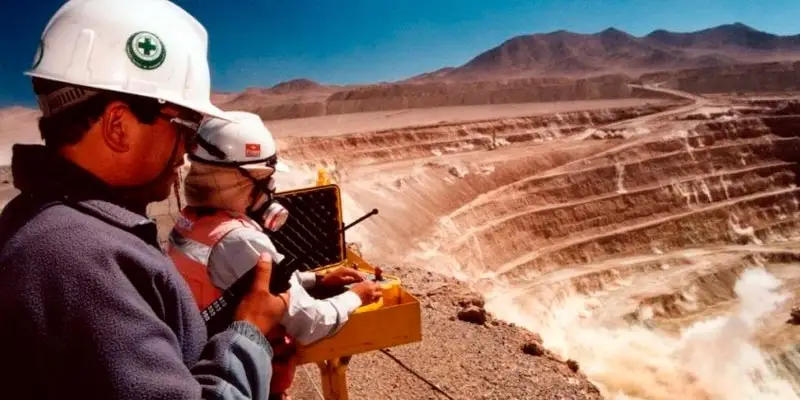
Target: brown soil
[(482, 361)]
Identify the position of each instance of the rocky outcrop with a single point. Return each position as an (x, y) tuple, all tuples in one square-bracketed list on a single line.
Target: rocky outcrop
[(794, 316)]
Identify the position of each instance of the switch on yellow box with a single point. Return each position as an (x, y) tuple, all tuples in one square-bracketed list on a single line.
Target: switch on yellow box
[(394, 321)]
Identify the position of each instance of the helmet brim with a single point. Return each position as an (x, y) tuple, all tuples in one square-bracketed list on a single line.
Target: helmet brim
[(279, 167), (206, 108)]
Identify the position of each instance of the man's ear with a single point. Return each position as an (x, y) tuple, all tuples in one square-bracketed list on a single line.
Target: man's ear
[(117, 126)]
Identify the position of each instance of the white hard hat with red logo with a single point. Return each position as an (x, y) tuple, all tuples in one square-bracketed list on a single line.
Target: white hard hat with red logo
[(241, 141), (149, 48)]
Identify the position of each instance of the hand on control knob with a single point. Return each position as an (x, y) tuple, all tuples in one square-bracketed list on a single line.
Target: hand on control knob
[(368, 291), (341, 276)]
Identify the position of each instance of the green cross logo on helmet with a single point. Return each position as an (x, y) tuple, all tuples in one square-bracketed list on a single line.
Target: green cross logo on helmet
[(146, 50)]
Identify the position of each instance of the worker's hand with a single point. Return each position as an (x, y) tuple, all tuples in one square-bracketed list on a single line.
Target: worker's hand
[(341, 276), (260, 307), (368, 291)]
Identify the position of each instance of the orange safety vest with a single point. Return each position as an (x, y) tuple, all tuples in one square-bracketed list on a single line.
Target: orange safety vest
[(191, 241)]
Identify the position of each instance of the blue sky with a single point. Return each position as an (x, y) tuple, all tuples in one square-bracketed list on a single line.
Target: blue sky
[(263, 42)]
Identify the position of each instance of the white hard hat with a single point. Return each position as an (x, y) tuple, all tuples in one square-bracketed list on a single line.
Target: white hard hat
[(241, 140), (150, 48)]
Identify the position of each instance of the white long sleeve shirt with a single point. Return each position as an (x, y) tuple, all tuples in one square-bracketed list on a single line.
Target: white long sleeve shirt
[(307, 319)]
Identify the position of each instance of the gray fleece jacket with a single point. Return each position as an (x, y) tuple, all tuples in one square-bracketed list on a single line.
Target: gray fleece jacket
[(91, 308)]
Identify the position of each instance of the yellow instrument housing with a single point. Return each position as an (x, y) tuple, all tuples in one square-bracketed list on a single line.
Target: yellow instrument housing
[(394, 320)]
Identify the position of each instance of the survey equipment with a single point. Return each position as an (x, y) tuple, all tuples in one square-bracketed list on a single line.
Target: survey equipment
[(315, 235)]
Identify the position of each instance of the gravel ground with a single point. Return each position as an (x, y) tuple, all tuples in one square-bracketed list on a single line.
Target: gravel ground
[(465, 359)]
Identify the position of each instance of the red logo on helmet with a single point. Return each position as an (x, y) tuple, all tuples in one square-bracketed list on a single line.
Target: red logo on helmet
[(252, 150)]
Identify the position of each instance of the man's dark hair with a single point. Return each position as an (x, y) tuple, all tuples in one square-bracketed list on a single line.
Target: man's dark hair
[(69, 126)]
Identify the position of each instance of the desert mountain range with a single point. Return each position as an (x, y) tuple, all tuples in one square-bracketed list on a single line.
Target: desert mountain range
[(555, 66), (611, 51), (564, 53), (551, 67)]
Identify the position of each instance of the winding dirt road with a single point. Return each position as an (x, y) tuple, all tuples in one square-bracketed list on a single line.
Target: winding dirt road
[(697, 102)]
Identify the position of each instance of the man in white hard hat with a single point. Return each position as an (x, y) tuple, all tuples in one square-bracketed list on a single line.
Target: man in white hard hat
[(231, 210), (90, 307)]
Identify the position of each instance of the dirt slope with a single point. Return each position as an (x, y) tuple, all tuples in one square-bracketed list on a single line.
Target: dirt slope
[(464, 359)]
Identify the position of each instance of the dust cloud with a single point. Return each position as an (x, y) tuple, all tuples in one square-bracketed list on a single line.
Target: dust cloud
[(711, 359)]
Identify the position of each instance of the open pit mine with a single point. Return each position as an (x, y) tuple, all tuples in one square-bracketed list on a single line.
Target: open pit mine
[(653, 246)]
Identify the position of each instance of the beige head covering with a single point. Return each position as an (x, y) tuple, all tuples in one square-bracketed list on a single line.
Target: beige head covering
[(221, 187)]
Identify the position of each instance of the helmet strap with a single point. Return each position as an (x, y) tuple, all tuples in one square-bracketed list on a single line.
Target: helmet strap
[(210, 148), (61, 99), (258, 188)]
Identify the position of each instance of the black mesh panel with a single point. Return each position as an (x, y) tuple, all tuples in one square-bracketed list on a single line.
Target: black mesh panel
[(312, 234)]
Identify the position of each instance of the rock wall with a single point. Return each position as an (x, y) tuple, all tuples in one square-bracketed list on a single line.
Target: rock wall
[(763, 77), (409, 95), (401, 96)]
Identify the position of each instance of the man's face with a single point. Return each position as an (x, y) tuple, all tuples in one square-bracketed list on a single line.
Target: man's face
[(156, 151)]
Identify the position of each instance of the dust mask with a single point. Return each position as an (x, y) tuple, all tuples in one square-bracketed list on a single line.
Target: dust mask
[(270, 214)]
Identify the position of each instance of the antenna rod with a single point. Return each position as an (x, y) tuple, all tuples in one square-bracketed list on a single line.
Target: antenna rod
[(363, 217)]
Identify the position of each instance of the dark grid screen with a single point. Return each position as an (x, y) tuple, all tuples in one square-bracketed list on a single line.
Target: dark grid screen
[(313, 233)]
